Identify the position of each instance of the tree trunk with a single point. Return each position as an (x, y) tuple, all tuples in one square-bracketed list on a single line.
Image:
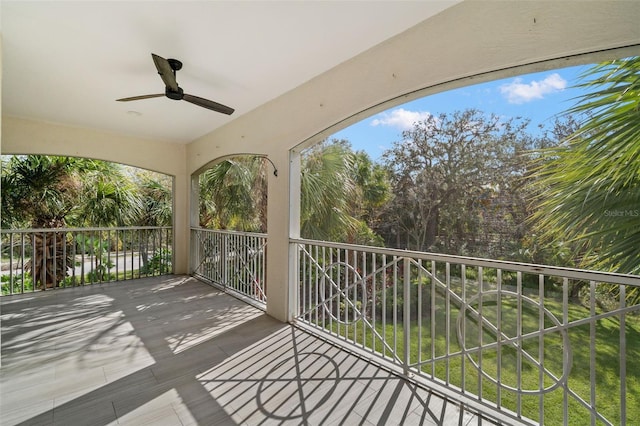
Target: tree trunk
[(49, 262)]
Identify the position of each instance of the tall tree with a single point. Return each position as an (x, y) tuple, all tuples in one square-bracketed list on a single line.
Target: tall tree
[(453, 178), (41, 191), (592, 180)]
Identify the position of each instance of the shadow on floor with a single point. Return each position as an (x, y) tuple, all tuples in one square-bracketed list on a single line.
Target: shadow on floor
[(175, 351)]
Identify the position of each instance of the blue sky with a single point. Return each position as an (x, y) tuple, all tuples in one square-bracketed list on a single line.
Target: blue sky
[(538, 96)]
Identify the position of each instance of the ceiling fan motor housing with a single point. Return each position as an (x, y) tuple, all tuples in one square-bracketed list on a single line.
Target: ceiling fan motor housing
[(174, 94)]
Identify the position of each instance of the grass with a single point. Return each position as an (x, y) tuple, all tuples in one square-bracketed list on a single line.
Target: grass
[(433, 340)]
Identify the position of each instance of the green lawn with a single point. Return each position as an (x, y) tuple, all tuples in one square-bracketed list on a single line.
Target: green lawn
[(428, 340)]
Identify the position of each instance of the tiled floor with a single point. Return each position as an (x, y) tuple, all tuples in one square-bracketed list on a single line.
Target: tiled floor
[(175, 351)]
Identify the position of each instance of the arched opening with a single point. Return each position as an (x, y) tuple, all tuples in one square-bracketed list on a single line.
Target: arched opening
[(229, 243), (72, 221), (459, 166), (461, 290)]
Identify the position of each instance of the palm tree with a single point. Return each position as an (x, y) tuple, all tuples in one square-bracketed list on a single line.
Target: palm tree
[(590, 185), (109, 196), (41, 191), (156, 199), (53, 192), (156, 209), (339, 188), (327, 187), (233, 195)]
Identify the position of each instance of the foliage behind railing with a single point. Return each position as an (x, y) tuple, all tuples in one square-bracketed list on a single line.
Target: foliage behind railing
[(533, 344), (41, 259), (233, 261)]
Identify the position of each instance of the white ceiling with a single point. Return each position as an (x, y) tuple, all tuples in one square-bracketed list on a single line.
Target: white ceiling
[(67, 62)]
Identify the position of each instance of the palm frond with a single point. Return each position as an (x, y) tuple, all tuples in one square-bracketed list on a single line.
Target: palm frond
[(589, 187)]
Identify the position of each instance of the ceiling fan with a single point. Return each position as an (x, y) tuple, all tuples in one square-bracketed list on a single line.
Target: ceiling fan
[(167, 69)]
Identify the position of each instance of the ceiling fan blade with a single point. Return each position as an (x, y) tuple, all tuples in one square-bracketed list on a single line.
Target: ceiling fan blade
[(166, 72), (167, 69), (206, 103), (137, 98)]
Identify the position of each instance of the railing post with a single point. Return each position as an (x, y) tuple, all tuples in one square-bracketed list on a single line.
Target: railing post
[(11, 274), (406, 314), (223, 260), (195, 255), (43, 265), (22, 255)]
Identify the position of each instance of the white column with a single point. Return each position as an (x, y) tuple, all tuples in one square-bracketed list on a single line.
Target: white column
[(0, 125), (181, 229), (194, 216), (282, 206)]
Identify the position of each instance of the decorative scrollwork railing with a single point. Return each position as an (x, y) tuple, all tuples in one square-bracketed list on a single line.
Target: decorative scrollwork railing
[(233, 261), (532, 344)]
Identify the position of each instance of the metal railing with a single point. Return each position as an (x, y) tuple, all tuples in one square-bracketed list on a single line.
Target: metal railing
[(530, 344), (42, 259), (233, 261)]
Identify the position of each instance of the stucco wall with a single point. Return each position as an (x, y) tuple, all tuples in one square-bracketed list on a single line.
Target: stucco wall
[(471, 39), (36, 137), (471, 42), (25, 136)]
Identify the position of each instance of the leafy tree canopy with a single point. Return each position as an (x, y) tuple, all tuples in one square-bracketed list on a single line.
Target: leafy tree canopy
[(451, 174), (51, 191)]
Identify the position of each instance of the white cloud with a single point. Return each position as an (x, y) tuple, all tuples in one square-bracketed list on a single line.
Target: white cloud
[(400, 118), (518, 92)]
